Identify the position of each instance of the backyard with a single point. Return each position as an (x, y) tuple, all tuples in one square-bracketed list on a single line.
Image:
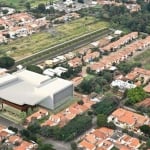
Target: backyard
[(26, 46), (144, 59)]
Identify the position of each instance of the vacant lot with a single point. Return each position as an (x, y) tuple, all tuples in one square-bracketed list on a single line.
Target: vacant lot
[(20, 4), (22, 47), (144, 59)]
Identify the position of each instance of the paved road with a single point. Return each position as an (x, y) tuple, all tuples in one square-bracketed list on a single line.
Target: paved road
[(58, 145), (8, 123)]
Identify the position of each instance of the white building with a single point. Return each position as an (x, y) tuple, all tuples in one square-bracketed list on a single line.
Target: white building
[(49, 72), (60, 70), (122, 84), (28, 88)]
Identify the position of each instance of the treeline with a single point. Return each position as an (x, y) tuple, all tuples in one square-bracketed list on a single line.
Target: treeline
[(73, 129), (122, 17)]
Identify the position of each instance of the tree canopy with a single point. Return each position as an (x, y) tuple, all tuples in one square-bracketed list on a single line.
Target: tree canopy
[(34, 68), (6, 62), (126, 67), (135, 95), (75, 127), (101, 120), (145, 129), (106, 106)]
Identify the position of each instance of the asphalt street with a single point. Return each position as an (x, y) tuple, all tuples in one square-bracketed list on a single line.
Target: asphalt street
[(8, 123)]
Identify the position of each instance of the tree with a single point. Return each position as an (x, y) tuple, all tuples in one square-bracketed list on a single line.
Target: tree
[(34, 127), (145, 129), (81, 1), (126, 67), (6, 62), (101, 120), (28, 6), (2, 27), (34, 68), (107, 76), (5, 11), (41, 8), (75, 127), (114, 148), (25, 133), (46, 131), (73, 146), (106, 106), (148, 143), (135, 95), (80, 102), (13, 129)]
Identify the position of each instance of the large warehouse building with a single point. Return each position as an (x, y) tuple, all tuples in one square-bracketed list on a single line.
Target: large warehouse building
[(24, 89)]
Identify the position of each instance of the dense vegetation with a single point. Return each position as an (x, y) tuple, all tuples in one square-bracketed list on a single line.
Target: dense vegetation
[(101, 120), (146, 130), (34, 68), (126, 67), (135, 95), (6, 62), (74, 128), (119, 16), (72, 72), (97, 83), (106, 106)]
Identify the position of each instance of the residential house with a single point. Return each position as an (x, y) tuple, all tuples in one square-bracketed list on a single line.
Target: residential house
[(4, 135), (26, 146), (14, 139), (77, 80), (139, 74), (75, 62), (63, 117), (122, 41), (86, 145), (91, 56), (129, 120), (133, 7), (105, 139), (122, 55), (147, 88), (37, 115), (145, 103), (122, 84), (97, 67)]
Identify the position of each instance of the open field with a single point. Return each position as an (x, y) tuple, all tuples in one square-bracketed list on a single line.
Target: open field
[(26, 46), (143, 58), (20, 4)]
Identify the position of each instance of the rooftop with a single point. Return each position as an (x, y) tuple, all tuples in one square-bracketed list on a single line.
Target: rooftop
[(32, 87)]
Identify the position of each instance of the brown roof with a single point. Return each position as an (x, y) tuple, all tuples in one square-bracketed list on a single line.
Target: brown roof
[(147, 88), (86, 145), (145, 103), (129, 117)]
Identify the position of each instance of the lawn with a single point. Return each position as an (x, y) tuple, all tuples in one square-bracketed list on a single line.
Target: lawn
[(144, 59), (26, 46)]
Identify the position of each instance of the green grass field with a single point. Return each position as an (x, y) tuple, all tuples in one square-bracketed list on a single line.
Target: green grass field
[(20, 4), (26, 46), (144, 59)]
